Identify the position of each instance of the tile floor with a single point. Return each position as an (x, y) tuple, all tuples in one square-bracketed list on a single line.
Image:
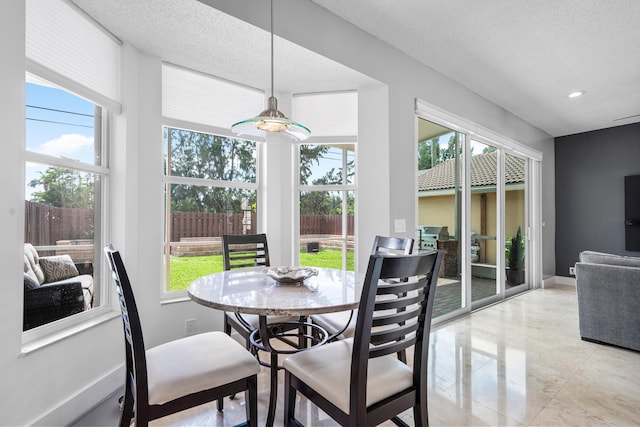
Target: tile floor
[(519, 362)]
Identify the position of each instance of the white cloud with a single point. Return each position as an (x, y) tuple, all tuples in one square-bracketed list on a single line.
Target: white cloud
[(69, 145)]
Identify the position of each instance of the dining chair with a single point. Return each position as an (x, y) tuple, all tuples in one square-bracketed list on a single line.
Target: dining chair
[(246, 251), (179, 374), (359, 381), (342, 324)]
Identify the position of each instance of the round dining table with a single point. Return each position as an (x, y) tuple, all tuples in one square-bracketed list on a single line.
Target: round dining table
[(254, 291)]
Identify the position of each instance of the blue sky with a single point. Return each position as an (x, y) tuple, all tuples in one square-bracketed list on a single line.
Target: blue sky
[(58, 124)]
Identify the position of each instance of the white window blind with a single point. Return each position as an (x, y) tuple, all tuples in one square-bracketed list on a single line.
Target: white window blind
[(65, 46), (195, 97), (328, 114)]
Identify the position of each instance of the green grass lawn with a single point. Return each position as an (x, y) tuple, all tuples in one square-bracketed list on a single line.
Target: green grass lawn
[(185, 270)]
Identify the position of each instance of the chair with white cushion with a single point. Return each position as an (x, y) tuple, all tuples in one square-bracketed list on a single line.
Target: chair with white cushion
[(342, 324), (179, 374), (360, 381)]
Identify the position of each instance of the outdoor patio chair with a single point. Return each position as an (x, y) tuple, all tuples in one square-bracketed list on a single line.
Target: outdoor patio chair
[(360, 381), (334, 323), (179, 374)]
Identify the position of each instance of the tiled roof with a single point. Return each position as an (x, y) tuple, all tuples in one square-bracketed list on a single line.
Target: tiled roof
[(483, 172)]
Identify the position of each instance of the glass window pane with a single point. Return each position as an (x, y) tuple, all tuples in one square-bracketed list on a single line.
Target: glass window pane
[(327, 229), (207, 156), (198, 216), (326, 164), (439, 208), (60, 124), (484, 205), (514, 255), (63, 205)]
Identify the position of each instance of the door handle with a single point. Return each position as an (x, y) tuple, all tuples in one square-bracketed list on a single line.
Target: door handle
[(631, 222)]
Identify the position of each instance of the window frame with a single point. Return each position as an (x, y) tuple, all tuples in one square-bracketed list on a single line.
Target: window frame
[(167, 180), (343, 188), (50, 332)]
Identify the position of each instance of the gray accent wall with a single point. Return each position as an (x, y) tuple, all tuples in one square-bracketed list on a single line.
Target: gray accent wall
[(590, 171)]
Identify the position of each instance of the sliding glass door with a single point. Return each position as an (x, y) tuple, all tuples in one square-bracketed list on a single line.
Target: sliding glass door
[(472, 203), (484, 203), (515, 223), (440, 209)]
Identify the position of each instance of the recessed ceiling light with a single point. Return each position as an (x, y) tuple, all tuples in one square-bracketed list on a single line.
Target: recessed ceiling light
[(576, 94)]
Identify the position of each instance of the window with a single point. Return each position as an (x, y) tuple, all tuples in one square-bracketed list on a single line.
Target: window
[(327, 204), (65, 206), (211, 177), (211, 189), (326, 178)]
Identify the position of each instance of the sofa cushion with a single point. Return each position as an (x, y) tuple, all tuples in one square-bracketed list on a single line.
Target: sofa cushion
[(58, 267), (609, 259), (33, 259), (30, 282)]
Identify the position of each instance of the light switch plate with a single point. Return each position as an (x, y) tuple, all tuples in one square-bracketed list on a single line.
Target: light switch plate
[(400, 225)]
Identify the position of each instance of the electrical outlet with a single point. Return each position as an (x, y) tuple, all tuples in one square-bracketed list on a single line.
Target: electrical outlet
[(572, 271), (190, 327), (400, 225)]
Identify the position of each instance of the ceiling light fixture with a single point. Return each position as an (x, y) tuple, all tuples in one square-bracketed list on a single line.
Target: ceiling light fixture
[(576, 94), (271, 119)]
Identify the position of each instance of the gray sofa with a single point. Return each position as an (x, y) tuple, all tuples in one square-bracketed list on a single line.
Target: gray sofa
[(54, 287), (608, 289)]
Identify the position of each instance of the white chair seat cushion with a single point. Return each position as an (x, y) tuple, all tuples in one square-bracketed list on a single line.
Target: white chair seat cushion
[(334, 322), (254, 319), (327, 369), (192, 364)]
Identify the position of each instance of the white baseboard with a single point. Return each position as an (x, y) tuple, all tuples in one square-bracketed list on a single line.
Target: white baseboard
[(84, 401), (559, 280)]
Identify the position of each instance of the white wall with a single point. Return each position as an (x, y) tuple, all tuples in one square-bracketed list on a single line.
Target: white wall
[(315, 28), (58, 383)]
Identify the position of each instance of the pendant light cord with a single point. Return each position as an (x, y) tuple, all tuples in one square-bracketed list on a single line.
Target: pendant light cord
[(271, 30)]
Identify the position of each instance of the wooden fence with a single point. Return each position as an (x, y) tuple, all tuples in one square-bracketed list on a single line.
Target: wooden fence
[(45, 225), (208, 224)]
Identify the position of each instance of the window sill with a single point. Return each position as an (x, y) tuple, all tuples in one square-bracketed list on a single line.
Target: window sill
[(35, 344)]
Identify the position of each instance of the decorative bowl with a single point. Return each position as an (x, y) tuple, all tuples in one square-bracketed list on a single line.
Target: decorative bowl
[(291, 275)]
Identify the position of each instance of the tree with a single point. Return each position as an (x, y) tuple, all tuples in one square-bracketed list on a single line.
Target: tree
[(488, 149), (64, 188), (430, 153), (310, 154), (201, 155), (322, 202), (426, 153)]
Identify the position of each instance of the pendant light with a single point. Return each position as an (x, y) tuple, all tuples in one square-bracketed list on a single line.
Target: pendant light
[(271, 119)]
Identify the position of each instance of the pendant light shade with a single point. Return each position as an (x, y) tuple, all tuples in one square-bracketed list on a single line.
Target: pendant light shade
[(271, 119)]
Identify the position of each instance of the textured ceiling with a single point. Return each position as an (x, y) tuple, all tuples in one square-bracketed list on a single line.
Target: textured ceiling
[(194, 35), (524, 55)]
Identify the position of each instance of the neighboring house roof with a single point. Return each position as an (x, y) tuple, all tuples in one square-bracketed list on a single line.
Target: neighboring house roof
[(483, 172)]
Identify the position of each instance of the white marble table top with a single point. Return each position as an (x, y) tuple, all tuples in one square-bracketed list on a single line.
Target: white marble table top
[(251, 291)]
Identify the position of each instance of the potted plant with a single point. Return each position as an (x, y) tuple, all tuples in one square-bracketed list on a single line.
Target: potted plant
[(514, 254)]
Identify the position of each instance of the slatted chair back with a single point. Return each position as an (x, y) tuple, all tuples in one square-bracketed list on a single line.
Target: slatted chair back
[(245, 250), (392, 245), (136, 364), (391, 325)]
